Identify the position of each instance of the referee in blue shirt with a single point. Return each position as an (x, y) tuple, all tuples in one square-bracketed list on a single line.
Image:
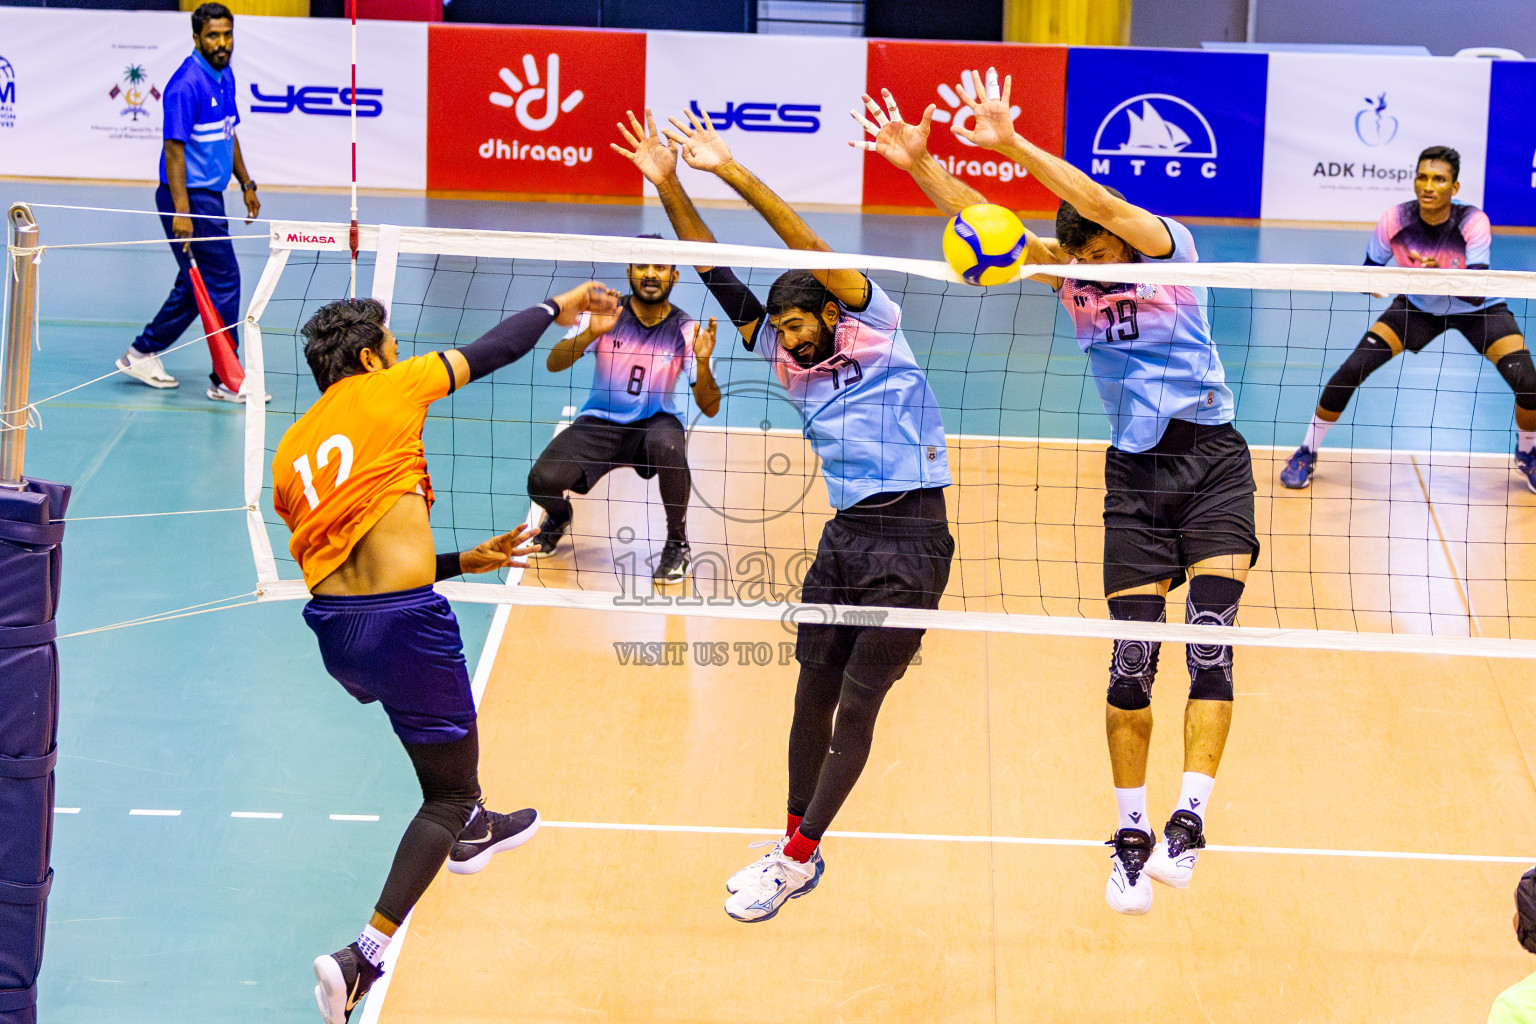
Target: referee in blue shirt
[(200, 152)]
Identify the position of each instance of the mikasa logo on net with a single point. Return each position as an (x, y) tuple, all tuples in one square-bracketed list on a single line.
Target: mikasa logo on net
[(521, 100)]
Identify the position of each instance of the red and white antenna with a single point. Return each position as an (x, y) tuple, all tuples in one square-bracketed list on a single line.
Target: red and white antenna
[(352, 230)]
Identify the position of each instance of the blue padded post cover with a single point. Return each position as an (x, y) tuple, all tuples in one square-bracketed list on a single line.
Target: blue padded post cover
[(31, 561)]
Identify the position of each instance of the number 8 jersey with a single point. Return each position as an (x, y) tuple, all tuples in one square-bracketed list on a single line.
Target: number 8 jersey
[(352, 456), (638, 366), (1150, 351)]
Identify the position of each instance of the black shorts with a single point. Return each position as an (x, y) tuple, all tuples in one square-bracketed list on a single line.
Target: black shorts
[(597, 446), (1404, 323), (1188, 499), (899, 560)]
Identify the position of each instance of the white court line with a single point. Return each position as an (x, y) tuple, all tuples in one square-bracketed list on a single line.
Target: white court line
[(66, 810), (374, 1005), (354, 817), (256, 814), (143, 812), (1034, 841)]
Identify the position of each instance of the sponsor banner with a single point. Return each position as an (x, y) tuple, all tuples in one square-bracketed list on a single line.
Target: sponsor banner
[(1178, 132), (791, 127), (920, 73), (294, 80), (80, 91), (81, 94), (1344, 132), (531, 109), (1511, 186)]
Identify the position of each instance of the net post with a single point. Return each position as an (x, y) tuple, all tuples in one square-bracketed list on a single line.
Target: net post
[(21, 288)]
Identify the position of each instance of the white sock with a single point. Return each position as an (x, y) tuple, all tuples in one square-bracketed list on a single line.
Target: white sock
[(1316, 432), (1133, 808), (373, 943), (1525, 440), (1195, 793)]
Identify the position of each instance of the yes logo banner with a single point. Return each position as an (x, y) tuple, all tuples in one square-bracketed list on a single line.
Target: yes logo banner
[(1345, 131), (780, 102), (1511, 194), (920, 73), (531, 109), (1180, 133)]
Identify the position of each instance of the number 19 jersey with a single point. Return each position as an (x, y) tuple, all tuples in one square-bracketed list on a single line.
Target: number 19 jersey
[(352, 456), (1150, 351)]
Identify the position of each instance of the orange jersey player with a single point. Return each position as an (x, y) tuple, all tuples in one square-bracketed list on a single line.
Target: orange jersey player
[(350, 480)]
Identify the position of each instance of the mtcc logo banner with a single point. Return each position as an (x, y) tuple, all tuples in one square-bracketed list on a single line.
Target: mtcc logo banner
[(1178, 133), (7, 94)]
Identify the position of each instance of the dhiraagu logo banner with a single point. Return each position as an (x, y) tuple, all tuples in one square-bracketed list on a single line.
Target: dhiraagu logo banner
[(1181, 133), (1345, 131)]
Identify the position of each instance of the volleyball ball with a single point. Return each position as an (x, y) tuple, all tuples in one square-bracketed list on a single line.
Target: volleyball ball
[(984, 243)]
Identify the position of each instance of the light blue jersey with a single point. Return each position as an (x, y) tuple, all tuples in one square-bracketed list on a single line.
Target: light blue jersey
[(869, 413), (1150, 351)]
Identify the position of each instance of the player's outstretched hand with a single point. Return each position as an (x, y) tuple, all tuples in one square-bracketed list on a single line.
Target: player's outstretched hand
[(593, 297), (656, 159), (991, 113), (509, 551), (702, 147), (901, 143), (704, 340)]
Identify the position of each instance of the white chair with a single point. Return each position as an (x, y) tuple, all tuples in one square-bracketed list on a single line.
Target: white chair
[(1490, 53)]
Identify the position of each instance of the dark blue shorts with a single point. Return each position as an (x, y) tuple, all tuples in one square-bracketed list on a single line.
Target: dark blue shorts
[(403, 650)]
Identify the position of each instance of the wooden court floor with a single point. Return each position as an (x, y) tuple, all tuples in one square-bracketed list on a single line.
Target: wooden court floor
[(1371, 817)]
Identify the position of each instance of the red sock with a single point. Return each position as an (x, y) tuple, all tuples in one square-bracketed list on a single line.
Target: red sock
[(794, 823), (800, 848)]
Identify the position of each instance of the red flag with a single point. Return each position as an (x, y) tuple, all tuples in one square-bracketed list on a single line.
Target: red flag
[(221, 344)]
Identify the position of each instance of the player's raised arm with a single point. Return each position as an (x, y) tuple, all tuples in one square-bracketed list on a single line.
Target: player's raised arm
[(905, 147), (657, 160), (993, 130), (516, 336), (703, 149)]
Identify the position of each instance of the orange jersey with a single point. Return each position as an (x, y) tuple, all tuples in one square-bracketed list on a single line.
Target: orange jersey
[(351, 456)]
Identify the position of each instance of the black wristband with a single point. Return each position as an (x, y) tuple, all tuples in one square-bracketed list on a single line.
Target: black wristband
[(448, 565)]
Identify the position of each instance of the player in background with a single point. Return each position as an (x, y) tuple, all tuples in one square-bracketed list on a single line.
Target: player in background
[(199, 153), (350, 481), (1178, 478), (632, 416), (833, 340), (1431, 230)]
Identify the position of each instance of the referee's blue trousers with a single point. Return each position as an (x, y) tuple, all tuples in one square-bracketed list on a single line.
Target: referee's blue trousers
[(221, 272)]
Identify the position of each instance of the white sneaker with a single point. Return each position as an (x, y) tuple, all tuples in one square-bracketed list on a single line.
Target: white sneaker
[(146, 368), (768, 884), (220, 393), (1173, 862), (740, 878), (1129, 890)]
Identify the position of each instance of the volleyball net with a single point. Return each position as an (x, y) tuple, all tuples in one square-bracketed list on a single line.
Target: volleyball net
[(1415, 535)]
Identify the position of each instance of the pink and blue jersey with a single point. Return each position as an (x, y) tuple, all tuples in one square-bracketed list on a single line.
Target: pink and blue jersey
[(638, 366), (1150, 351), (1461, 241), (869, 413)]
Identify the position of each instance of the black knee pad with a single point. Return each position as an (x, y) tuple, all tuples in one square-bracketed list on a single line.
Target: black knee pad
[(1369, 356), (1520, 373), (1212, 601), (1133, 665)]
